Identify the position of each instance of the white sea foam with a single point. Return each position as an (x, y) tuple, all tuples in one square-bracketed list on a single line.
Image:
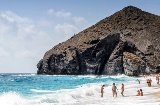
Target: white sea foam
[(12, 98), (42, 91), (22, 75), (88, 94)]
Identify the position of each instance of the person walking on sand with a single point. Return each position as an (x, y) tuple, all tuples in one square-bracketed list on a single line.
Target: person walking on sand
[(114, 90), (102, 90), (141, 92), (122, 89)]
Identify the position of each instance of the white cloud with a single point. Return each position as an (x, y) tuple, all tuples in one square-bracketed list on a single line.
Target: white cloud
[(3, 29), (61, 13), (79, 20), (21, 40), (3, 52), (12, 17), (51, 12), (24, 41), (45, 23), (66, 29), (24, 53)]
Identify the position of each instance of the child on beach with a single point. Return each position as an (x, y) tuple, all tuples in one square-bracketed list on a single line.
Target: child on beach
[(102, 90), (138, 93)]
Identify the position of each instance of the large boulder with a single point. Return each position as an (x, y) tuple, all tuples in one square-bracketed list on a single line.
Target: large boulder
[(133, 65)]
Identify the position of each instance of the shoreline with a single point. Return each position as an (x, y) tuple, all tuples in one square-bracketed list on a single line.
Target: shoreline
[(86, 92)]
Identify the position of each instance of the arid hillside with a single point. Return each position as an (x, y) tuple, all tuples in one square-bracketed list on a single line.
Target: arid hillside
[(100, 48)]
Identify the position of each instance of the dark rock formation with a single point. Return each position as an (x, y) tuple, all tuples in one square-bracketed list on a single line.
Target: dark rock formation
[(126, 42)]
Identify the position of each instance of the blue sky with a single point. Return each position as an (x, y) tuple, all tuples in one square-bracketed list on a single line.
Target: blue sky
[(28, 28)]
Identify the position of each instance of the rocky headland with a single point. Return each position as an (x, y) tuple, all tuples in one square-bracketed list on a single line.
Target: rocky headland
[(126, 42)]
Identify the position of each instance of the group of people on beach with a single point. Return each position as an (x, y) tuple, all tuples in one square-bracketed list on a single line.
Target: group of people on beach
[(149, 81), (139, 92), (114, 90)]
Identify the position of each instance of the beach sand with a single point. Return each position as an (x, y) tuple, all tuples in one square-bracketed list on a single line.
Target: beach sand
[(157, 94), (155, 87), (151, 94)]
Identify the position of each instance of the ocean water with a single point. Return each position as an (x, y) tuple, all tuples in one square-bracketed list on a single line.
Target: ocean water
[(32, 89)]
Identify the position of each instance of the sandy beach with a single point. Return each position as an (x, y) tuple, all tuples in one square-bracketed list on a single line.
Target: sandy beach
[(155, 87), (157, 94), (151, 94)]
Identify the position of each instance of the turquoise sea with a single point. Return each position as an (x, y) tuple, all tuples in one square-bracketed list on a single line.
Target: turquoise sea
[(32, 89)]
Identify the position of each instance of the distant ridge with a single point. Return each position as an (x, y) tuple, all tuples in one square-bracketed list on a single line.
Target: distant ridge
[(100, 48)]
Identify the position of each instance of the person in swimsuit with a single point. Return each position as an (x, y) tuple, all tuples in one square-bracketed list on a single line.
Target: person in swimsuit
[(138, 93), (150, 82), (138, 81), (157, 78), (122, 89), (114, 90), (141, 92), (102, 90)]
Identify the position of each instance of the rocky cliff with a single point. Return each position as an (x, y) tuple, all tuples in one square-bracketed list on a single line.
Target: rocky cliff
[(126, 42)]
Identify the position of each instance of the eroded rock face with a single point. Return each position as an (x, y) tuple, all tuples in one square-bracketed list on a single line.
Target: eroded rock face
[(133, 65), (127, 42)]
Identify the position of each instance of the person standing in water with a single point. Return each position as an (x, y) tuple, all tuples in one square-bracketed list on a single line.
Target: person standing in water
[(102, 90), (138, 93), (157, 78), (150, 82), (141, 92), (122, 89), (114, 90), (138, 81)]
